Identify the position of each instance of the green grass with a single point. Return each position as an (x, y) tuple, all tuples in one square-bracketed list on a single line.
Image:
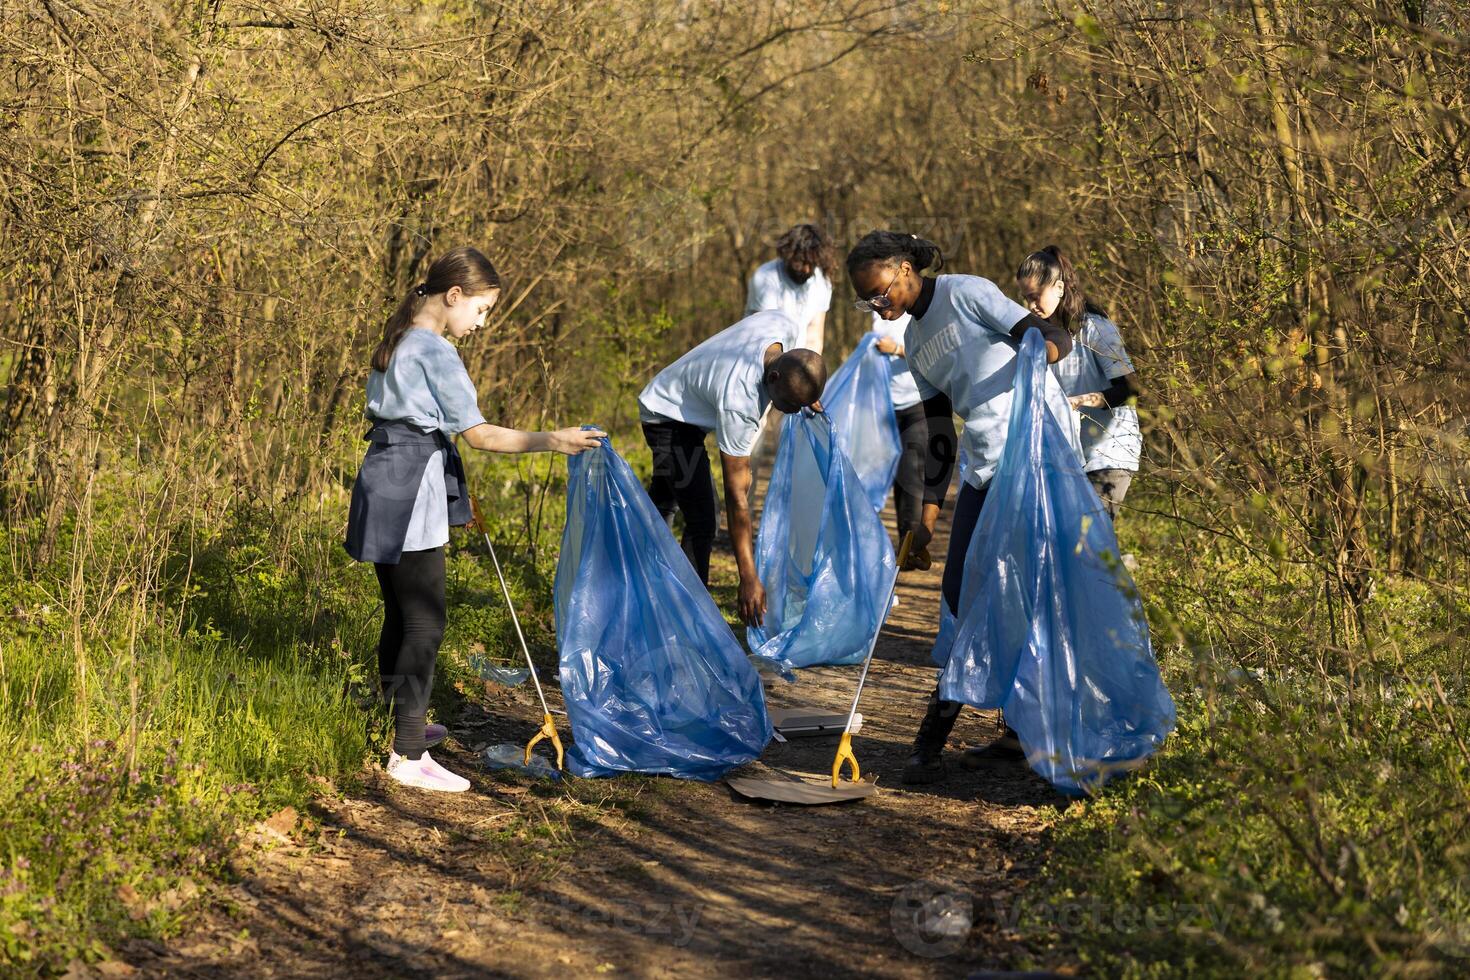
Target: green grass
[(134, 741), (1305, 819), (153, 705)]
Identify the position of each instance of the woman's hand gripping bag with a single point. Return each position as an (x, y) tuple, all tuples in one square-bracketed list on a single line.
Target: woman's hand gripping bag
[(822, 554), (1051, 628), (860, 404), (653, 678)]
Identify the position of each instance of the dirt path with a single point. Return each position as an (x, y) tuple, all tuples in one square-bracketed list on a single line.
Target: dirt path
[(645, 876)]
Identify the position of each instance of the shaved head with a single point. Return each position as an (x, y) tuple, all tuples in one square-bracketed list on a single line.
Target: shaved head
[(796, 379)]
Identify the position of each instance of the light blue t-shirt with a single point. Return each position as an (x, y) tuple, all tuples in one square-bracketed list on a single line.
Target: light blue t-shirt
[(901, 386), (717, 386), (426, 385), (961, 347), (1111, 438)]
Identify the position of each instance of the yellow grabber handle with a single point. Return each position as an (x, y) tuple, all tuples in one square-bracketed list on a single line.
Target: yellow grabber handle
[(844, 747), (904, 547), (844, 754), (548, 730)]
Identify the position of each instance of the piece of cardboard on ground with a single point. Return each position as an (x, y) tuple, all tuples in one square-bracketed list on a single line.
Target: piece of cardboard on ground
[(801, 722), (803, 793)]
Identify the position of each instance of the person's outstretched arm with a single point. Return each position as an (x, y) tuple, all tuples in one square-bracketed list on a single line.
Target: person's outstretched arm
[(816, 331), (737, 514), (498, 439), (1122, 391)]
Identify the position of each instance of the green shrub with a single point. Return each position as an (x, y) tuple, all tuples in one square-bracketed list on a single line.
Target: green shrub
[(1304, 820)]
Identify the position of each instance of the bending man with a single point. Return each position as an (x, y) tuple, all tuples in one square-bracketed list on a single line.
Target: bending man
[(724, 386)]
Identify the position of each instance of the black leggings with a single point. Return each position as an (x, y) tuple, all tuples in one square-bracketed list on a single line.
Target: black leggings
[(908, 482), (925, 462), (414, 615), (682, 480), (961, 529)]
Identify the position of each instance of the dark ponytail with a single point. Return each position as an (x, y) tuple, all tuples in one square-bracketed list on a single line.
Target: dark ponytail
[(891, 248), (464, 267), (1044, 268)]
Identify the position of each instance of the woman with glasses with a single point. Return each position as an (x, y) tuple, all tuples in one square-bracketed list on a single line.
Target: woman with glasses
[(961, 344)]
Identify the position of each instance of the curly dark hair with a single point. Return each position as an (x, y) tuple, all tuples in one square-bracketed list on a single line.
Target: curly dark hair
[(810, 244)]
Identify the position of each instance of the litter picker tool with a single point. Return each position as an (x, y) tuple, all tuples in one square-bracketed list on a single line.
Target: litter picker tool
[(794, 790), (844, 747), (548, 726)]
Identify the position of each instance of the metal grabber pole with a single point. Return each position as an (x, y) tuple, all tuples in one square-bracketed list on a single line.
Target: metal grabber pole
[(844, 747), (548, 727)]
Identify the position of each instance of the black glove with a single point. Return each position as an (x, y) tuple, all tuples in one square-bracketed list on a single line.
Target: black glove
[(922, 536), (919, 560)]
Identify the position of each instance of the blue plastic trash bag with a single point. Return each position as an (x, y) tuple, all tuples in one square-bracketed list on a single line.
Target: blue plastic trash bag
[(860, 405), (944, 639), (653, 678), (1050, 626), (822, 554)]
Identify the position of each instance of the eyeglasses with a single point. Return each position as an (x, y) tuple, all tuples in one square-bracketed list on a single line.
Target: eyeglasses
[(880, 302)]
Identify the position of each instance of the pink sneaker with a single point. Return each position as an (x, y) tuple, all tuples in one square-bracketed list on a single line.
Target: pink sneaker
[(434, 734), (425, 773)]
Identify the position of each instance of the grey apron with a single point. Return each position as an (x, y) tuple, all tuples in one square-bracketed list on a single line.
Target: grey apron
[(388, 484)]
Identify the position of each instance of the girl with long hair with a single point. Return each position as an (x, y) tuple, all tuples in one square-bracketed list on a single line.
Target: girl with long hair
[(1097, 375), (411, 488)]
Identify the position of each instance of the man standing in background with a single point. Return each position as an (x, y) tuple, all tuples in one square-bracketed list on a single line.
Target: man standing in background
[(798, 282)]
